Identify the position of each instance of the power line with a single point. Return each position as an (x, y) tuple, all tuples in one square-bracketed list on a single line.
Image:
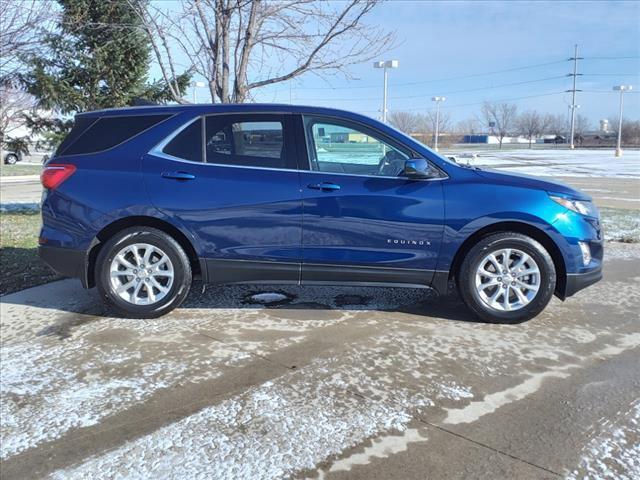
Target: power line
[(611, 74), (512, 99), (613, 58), (461, 77), (450, 92)]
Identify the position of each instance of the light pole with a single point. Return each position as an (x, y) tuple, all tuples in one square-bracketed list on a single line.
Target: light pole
[(195, 86), (621, 89), (437, 100), (384, 65)]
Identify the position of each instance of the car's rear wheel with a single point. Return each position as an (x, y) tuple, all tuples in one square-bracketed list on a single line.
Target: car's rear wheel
[(11, 159), (507, 277), (142, 272)]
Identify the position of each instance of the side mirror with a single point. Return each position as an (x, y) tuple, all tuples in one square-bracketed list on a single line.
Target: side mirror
[(417, 168)]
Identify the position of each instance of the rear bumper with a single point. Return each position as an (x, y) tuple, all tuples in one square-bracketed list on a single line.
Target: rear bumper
[(578, 281), (66, 261)]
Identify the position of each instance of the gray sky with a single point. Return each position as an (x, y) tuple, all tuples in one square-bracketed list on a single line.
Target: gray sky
[(446, 47)]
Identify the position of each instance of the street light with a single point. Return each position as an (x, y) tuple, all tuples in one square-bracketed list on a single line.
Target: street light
[(195, 86), (385, 65), (622, 89), (437, 100)]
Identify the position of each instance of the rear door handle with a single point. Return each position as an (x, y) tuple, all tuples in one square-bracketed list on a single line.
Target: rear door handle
[(324, 186), (178, 175)]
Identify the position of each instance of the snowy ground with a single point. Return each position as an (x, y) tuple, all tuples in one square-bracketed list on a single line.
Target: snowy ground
[(264, 382), (556, 162)]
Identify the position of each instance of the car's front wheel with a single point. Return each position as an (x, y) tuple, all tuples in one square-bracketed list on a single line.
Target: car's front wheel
[(142, 272), (507, 277), (11, 159)]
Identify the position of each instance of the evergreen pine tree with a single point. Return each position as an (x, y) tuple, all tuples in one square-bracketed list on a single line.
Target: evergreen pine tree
[(98, 57)]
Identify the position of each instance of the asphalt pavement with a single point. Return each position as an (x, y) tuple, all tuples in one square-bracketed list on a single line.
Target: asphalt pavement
[(355, 383)]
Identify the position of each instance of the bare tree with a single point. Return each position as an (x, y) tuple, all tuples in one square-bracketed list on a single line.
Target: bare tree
[(630, 132), (22, 23), (406, 122), (443, 120), (500, 118), (531, 125), (239, 46), (557, 126), (470, 126), (14, 105)]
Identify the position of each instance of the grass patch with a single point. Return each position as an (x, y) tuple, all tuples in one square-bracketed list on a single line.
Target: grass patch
[(18, 169), (19, 262)]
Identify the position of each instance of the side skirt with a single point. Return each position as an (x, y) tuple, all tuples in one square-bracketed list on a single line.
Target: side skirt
[(220, 271)]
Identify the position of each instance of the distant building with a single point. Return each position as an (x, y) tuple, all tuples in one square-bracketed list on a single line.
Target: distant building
[(492, 139)]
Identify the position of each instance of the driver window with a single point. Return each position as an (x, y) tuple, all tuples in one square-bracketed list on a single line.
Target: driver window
[(339, 148)]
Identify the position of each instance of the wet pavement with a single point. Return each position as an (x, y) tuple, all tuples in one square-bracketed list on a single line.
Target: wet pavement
[(279, 382)]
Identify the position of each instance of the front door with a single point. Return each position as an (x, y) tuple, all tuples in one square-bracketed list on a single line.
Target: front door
[(233, 181), (363, 222)]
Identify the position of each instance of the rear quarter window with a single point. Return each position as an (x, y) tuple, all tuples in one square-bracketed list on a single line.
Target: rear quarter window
[(91, 135)]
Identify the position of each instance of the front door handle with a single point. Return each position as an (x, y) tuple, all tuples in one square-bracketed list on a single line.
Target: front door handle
[(324, 186), (178, 175)]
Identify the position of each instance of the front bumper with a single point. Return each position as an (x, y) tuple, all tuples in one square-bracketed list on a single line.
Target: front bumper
[(66, 261), (578, 281)]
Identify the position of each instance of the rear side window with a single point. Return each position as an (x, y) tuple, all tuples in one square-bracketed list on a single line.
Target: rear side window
[(256, 142), (79, 126), (187, 144), (107, 132)]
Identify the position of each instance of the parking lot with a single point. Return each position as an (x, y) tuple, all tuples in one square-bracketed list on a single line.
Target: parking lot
[(269, 382)]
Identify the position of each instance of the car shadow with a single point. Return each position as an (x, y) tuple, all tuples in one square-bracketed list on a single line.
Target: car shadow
[(70, 306), (425, 302)]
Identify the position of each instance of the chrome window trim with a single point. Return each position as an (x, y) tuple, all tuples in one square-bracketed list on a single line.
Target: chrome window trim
[(157, 152)]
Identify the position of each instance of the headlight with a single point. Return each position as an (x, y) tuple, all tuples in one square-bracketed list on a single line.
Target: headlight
[(582, 207)]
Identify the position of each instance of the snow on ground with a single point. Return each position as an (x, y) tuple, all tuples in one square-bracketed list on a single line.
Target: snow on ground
[(615, 453), (307, 416), (620, 225), (49, 387), (558, 162)]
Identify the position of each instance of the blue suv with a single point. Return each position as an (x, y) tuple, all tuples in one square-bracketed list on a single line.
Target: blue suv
[(139, 201)]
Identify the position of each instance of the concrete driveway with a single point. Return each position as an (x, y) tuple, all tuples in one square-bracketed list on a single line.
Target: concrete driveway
[(252, 382)]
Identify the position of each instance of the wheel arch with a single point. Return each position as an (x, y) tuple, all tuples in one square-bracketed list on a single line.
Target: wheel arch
[(526, 229), (140, 221)]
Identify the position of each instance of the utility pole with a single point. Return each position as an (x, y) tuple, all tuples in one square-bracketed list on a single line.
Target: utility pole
[(437, 100), (573, 91)]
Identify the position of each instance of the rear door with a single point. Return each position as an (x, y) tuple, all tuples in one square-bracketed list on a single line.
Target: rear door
[(232, 180), (364, 222)]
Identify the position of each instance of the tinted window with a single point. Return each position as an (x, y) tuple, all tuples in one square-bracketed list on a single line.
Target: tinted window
[(187, 144), (248, 143), (108, 132), (339, 147), (79, 126)]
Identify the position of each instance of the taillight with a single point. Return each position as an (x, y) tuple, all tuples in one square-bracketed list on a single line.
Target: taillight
[(54, 174)]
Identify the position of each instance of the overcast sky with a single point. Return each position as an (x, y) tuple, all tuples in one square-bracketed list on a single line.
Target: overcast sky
[(438, 42)]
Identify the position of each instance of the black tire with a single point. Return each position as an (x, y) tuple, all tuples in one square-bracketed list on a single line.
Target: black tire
[(157, 238), (11, 159), (495, 242)]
